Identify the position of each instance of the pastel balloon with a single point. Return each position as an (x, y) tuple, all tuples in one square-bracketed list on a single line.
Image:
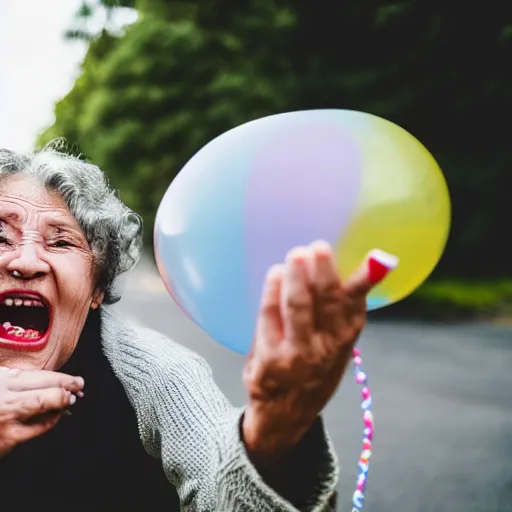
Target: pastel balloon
[(249, 196)]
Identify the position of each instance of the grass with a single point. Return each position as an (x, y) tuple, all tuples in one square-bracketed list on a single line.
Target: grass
[(451, 299), (477, 296)]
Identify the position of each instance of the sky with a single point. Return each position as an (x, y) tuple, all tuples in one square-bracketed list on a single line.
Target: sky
[(37, 66)]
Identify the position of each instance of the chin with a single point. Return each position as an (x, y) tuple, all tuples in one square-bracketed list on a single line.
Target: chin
[(25, 320)]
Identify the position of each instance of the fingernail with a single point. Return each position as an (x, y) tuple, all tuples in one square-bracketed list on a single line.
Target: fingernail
[(72, 400), (321, 246), (80, 382), (380, 264), (298, 254)]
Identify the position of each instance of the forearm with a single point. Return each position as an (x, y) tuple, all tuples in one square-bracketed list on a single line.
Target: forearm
[(293, 472)]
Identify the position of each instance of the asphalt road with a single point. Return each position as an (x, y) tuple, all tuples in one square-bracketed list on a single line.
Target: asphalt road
[(442, 406)]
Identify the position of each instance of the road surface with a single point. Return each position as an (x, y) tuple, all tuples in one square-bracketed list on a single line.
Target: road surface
[(442, 406)]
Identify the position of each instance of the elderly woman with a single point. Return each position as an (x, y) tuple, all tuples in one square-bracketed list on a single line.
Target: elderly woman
[(93, 408)]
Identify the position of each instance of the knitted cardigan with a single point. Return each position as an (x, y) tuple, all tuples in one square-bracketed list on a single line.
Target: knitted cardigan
[(185, 420)]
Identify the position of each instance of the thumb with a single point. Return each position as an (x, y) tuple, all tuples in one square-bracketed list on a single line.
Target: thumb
[(376, 266)]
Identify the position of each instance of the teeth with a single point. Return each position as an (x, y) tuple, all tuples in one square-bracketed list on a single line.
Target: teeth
[(19, 332), (9, 301), (16, 331)]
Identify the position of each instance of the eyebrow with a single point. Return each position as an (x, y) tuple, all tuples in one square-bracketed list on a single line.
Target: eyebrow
[(62, 225), (67, 229)]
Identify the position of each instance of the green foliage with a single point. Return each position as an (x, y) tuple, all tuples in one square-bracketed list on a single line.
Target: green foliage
[(187, 71), (144, 104), (480, 296)]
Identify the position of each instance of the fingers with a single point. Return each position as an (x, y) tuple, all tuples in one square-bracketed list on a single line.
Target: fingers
[(311, 292), (28, 404), (327, 288), (270, 321), (42, 379), (296, 297), (377, 265), (21, 432)]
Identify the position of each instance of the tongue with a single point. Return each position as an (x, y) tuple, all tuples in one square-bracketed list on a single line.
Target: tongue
[(17, 333)]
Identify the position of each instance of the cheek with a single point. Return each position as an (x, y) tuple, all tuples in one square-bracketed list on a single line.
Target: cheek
[(75, 277)]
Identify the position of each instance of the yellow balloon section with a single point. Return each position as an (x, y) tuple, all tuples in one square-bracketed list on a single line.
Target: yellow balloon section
[(403, 208)]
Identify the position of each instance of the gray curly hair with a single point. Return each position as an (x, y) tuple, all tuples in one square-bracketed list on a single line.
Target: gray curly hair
[(113, 231)]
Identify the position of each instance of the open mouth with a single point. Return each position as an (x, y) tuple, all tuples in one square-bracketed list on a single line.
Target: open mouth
[(24, 319)]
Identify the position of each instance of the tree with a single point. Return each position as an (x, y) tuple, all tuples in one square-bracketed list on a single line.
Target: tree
[(86, 13), (147, 100)]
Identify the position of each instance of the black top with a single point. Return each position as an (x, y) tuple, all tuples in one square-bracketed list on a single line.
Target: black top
[(93, 460)]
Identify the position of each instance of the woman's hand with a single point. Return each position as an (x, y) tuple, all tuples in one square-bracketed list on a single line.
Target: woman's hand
[(308, 325), (32, 402)]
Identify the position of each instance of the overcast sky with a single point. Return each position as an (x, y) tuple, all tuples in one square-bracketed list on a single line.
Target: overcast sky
[(37, 67)]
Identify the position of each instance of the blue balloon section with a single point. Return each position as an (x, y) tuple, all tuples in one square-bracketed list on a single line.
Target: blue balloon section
[(202, 241)]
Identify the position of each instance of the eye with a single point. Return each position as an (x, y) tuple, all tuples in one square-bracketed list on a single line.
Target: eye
[(61, 243), (4, 240)]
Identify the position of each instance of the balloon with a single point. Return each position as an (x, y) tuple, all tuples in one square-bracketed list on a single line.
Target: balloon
[(252, 194)]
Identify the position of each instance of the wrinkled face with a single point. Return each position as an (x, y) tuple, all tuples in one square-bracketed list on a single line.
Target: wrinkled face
[(46, 277)]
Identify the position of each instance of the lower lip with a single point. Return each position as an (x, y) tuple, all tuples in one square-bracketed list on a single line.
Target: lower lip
[(26, 345)]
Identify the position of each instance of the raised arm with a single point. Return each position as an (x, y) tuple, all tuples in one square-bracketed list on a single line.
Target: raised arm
[(190, 424)]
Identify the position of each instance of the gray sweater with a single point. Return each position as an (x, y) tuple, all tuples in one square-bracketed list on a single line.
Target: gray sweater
[(185, 420)]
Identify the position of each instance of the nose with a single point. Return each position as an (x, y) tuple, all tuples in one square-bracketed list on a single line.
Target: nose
[(27, 264)]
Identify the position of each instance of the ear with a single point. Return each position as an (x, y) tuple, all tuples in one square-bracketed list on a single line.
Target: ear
[(97, 299)]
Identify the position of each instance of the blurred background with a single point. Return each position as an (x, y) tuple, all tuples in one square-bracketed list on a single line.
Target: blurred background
[(138, 86)]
